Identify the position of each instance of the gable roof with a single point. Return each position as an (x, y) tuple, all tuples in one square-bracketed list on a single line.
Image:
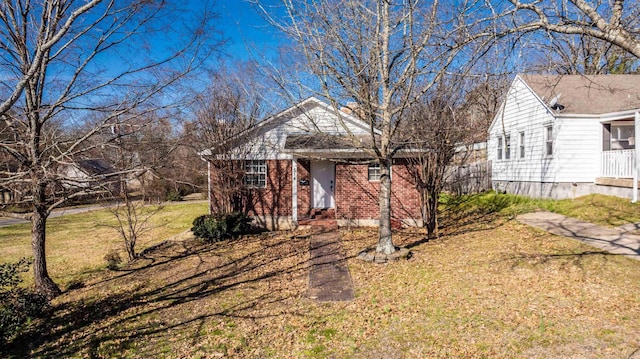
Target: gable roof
[(587, 94), (275, 119), (95, 167)]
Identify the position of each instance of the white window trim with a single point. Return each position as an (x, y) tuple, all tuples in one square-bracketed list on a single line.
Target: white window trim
[(378, 165), (616, 139), (261, 172), (507, 147), (500, 148), (521, 145), (369, 168), (548, 140)]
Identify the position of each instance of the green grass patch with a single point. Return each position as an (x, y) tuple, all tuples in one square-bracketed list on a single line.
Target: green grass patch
[(596, 208), (78, 243)]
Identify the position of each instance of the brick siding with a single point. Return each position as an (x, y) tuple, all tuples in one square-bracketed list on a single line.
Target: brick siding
[(304, 190), (275, 199), (355, 196)]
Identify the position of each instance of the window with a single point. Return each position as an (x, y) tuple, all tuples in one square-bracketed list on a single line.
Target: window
[(374, 172), (548, 140), (499, 147), (255, 174), (507, 147), (622, 137), (521, 144)]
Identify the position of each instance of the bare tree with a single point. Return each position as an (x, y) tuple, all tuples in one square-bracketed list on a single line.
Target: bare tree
[(85, 66), (435, 127), (132, 217), (230, 105), (582, 55), (615, 22), (482, 99), (383, 56)]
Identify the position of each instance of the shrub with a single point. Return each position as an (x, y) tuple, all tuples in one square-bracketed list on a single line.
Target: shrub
[(217, 227), (17, 305), (174, 196), (113, 259)]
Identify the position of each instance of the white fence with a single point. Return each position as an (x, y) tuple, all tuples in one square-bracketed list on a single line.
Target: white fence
[(617, 164)]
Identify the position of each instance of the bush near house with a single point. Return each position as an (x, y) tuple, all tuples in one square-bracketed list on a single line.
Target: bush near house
[(217, 227)]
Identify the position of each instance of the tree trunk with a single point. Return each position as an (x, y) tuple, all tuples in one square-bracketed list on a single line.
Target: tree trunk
[(130, 245), (385, 243), (432, 213), (44, 284)]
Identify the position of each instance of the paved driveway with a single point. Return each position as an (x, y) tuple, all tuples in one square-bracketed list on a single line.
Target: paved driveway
[(5, 221), (613, 240)]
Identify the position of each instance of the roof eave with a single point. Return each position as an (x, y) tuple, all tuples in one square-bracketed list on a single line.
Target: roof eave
[(611, 116)]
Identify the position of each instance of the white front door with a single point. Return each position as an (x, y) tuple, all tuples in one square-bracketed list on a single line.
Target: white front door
[(323, 178)]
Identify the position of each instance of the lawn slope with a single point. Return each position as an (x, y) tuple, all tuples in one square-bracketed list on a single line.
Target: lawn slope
[(489, 287)]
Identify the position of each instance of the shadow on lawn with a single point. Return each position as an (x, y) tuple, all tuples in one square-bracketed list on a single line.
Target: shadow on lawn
[(467, 214), (565, 261), (123, 318)]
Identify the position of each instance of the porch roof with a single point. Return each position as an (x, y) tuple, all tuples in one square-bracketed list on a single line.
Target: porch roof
[(322, 142), (324, 145), (337, 146)]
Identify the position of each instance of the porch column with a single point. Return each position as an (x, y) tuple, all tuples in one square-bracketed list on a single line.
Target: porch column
[(636, 159), (294, 190)]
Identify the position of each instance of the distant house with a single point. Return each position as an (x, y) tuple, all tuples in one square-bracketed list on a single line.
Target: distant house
[(303, 160), (566, 136), (94, 175)]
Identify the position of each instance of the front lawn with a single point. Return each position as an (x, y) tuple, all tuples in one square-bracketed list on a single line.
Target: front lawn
[(77, 244), (489, 287)]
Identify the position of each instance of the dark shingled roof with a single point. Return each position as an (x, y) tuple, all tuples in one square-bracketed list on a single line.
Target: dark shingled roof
[(95, 166), (588, 94), (317, 142)]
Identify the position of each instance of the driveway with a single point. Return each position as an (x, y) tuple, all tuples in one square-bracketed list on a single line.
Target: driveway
[(6, 221), (613, 240)]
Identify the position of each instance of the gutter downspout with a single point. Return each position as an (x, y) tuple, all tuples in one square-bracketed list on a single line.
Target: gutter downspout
[(636, 158)]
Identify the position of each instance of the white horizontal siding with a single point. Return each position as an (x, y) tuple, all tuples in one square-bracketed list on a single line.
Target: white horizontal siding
[(269, 143), (319, 120), (578, 146), (522, 112), (576, 142)]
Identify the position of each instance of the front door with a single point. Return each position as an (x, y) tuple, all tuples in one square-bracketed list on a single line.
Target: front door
[(323, 178)]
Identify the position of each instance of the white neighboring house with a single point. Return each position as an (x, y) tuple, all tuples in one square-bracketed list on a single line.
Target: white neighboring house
[(567, 136), (93, 175)]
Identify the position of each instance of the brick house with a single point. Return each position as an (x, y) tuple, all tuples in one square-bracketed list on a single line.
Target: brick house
[(303, 160)]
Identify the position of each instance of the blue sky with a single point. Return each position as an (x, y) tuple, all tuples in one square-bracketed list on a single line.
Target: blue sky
[(250, 37)]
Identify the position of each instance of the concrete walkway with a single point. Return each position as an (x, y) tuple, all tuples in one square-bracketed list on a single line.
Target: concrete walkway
[(612, 240), (329, 277)]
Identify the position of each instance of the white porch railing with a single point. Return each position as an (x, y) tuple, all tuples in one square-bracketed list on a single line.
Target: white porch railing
[(617, 163)]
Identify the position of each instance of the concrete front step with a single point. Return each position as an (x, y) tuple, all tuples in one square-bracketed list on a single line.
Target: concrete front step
[(323, 224), (324, 218), (322, 213)]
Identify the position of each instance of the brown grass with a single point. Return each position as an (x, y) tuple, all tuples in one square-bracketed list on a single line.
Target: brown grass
[(492, 289), (77, 244)]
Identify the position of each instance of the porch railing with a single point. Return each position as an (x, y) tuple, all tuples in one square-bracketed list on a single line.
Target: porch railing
[(617, 164)]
